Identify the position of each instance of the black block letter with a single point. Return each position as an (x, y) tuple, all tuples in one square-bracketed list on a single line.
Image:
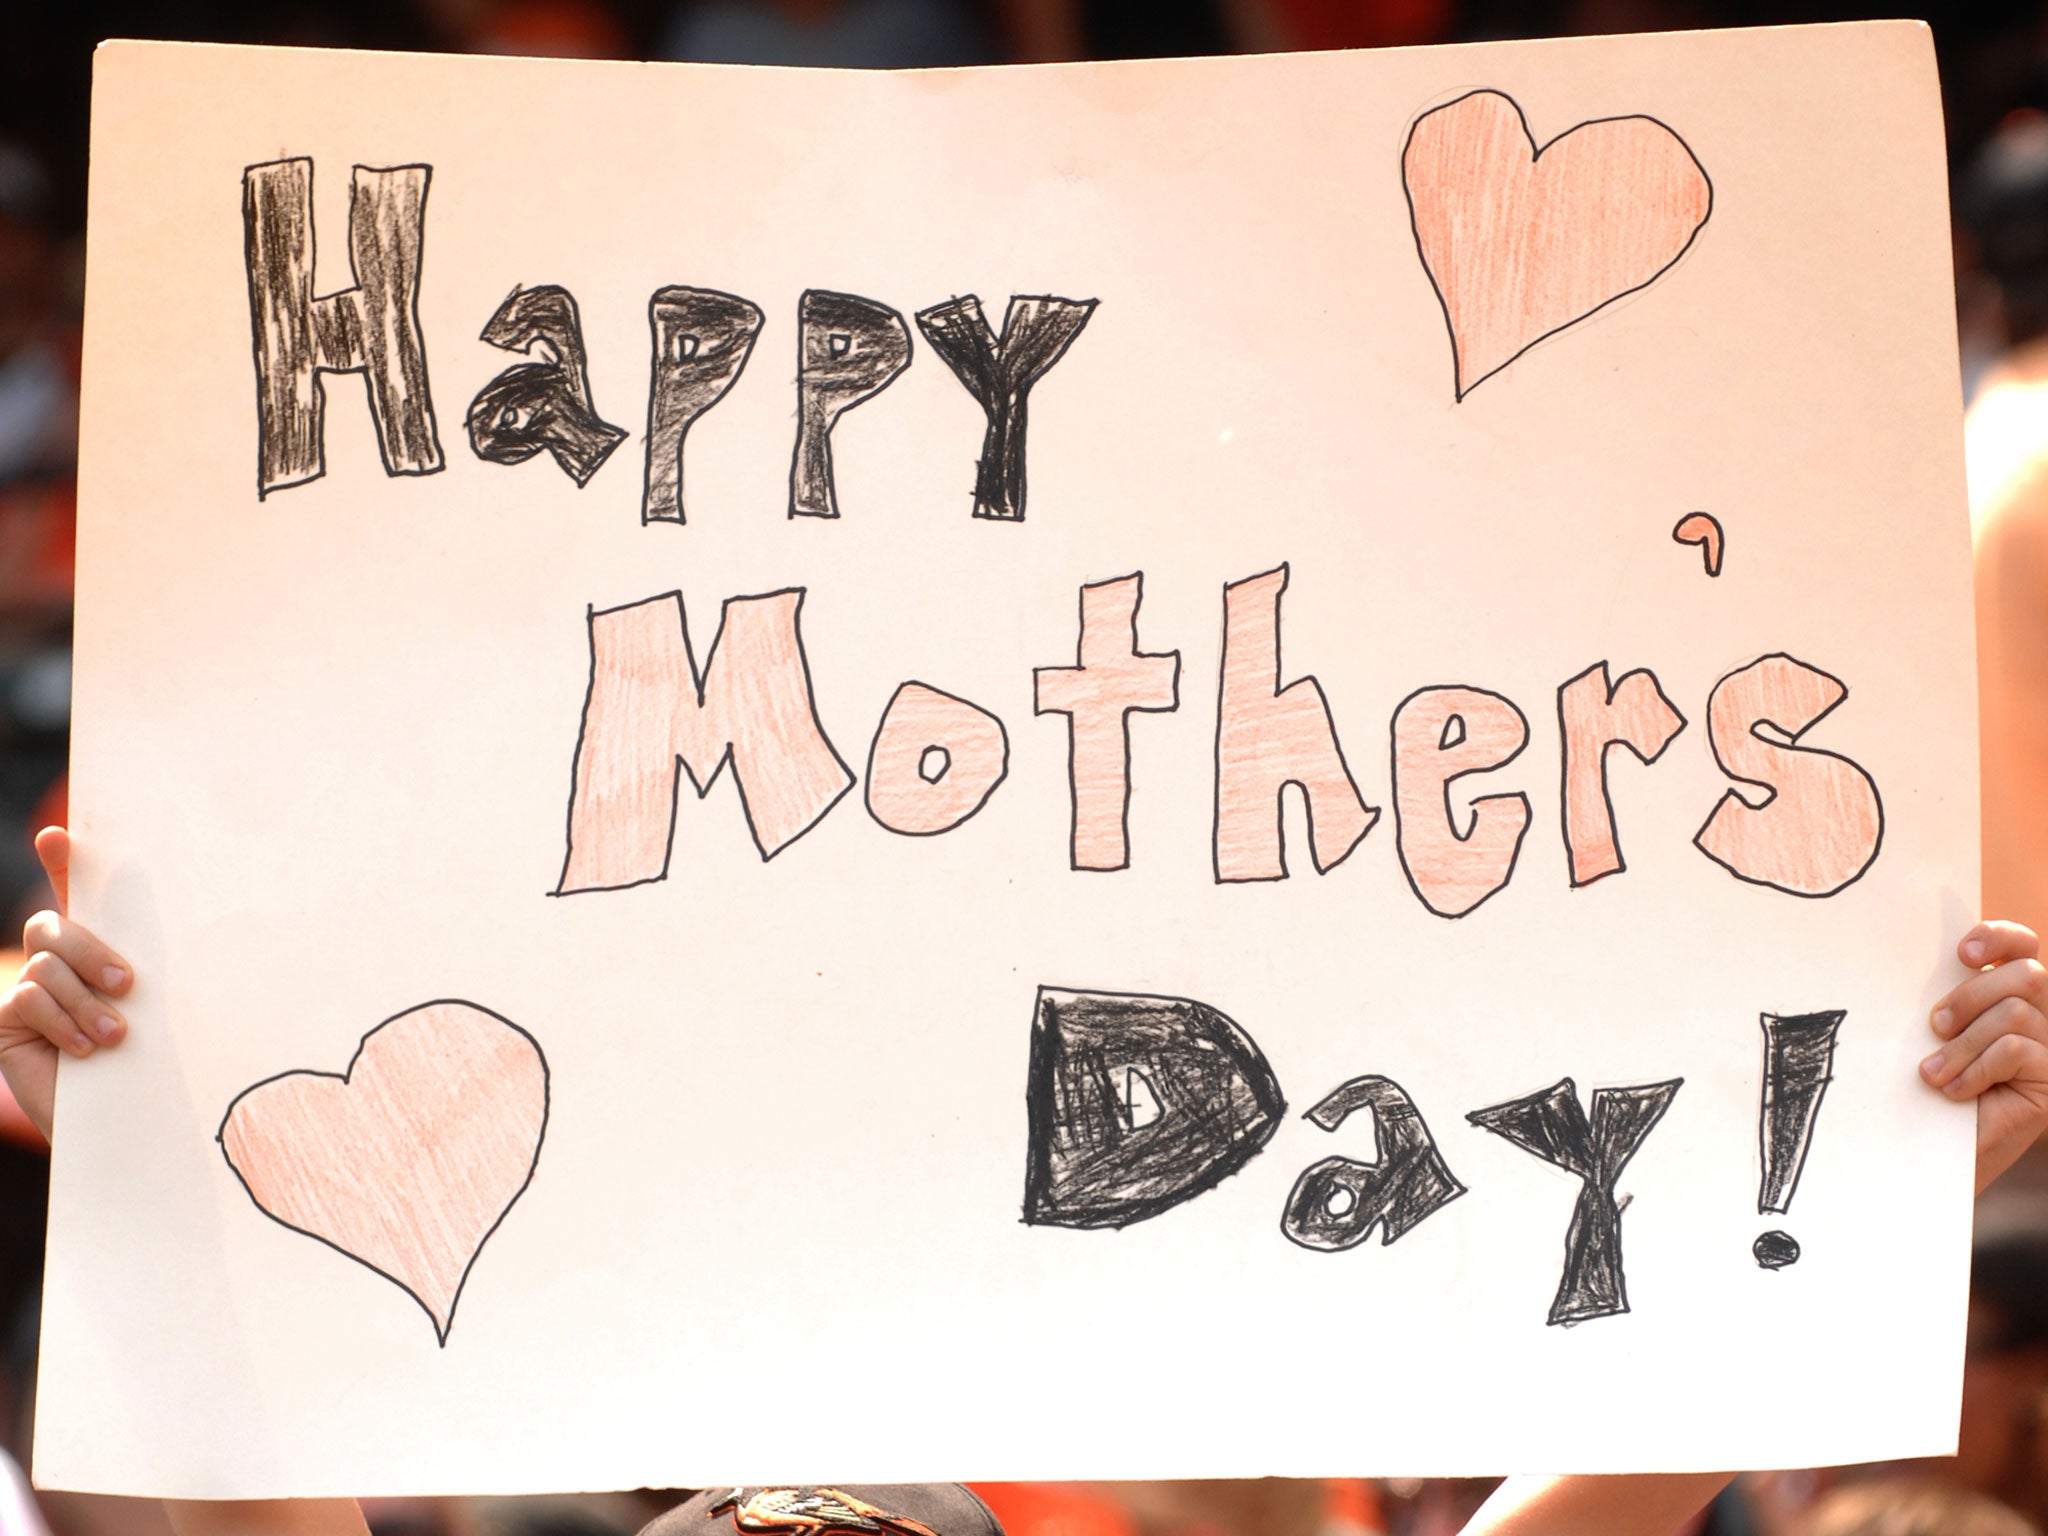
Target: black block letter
[(999, 374), (702, 339), (1550, 1124), (1137, 1104), (537, 405), (1337, 1202), (848, 348), (372, 328)]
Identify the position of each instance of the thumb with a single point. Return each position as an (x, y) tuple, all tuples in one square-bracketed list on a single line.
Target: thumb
[(53, 847)]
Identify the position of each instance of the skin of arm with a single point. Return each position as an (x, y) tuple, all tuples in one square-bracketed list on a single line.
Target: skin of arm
[(1650, 1504), (266, 1517)]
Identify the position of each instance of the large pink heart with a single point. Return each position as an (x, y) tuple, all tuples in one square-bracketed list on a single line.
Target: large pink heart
[(1522, 242), (407, 1161)]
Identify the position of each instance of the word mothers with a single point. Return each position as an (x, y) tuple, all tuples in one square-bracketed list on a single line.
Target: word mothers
[(1137, 1104), (653, 714), (849, 349)]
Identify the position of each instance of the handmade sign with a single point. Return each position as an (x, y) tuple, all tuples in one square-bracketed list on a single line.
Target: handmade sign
[(1227, 766)]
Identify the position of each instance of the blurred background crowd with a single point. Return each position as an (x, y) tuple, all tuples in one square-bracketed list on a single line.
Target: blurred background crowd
[(1994, 65)]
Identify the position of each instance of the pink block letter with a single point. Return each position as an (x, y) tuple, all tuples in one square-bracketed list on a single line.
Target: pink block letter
[(649, 711), (1592, 716), (1268, 737), (1112, 678), (1819, 823), (1440, 735), (935, 761)]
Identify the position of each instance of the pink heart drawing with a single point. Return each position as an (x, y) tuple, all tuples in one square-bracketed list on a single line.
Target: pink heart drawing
[(409, 1160), (1521, 241)]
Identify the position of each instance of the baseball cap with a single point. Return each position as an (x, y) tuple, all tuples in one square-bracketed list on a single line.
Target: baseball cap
[(844, 1509)]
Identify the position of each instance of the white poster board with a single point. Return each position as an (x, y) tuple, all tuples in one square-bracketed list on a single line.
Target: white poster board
[(1060, 1098)]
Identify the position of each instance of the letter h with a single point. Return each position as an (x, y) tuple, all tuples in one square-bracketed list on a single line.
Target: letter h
[(372, 328)]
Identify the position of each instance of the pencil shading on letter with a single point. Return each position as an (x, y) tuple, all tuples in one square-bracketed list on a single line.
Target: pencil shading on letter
[(1268, 736), (1593, 718), (1799, 1063), (849, 349), (934, 762), (999, 373), (651, 715), (1550, 1124), (1440, 735), (701, 339), (544, 403), (1137, 1104), (1817, 823), (1110, 679), (371, 328), (1337, 1202)]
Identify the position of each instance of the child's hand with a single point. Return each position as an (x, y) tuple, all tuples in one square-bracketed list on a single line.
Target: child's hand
[(58, 1004), (1995, 1029)]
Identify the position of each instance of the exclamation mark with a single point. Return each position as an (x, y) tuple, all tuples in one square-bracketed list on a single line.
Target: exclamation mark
[(1799, 1060)]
